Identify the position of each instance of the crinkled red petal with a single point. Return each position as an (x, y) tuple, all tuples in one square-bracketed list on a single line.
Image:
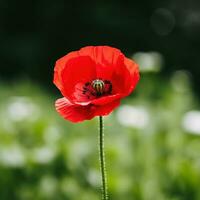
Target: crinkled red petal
[(106, 99), (107, 59), (59, 67), (71, 112), (77, 72), (107, 108), (78, 113), (134, 74)]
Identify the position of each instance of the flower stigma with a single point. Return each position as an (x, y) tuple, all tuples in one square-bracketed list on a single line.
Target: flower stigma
[(99, 86)]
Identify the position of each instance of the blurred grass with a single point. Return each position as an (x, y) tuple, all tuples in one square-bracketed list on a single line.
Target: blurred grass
[(44, 157)]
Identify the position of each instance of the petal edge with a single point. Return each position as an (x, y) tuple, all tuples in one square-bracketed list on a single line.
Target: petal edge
[(72, 112)]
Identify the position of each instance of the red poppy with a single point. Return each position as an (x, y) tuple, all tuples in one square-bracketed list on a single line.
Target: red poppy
[(93, 80)]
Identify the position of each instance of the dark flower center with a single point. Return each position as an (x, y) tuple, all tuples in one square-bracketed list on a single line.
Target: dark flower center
[(97, 88)]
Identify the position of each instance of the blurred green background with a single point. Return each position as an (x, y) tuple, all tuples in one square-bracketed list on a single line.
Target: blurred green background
[(152, 140)]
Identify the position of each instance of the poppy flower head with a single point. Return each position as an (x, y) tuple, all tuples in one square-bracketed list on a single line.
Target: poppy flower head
[(92, 81)]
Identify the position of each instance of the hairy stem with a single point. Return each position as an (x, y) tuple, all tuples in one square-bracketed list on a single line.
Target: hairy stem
[(102, 160)]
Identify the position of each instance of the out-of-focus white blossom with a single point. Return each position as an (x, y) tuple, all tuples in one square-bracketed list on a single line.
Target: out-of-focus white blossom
[(191, 122), (94, 178), (137, 117), (149, 62), (12, 156), (51, 134), (43, 155), (22, 108)]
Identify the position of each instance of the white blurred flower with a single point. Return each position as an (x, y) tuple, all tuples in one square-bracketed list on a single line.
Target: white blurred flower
[(94, 178), (52, 134), (43, 155), (21, 108), (137, 117), (149, 62), (191, 122), (12, 156)]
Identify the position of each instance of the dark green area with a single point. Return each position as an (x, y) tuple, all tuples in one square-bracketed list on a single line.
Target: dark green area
[(34, 34)]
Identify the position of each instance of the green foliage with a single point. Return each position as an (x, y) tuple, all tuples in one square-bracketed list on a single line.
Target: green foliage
[(43, 157)]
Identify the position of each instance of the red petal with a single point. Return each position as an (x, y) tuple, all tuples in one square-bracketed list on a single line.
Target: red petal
[(106, 109), (121, 79), (112, 65), (125, 78), (107, 59), (134, 73), (77, 72), (71, 112), (106, 99), (60, 65), (78, 113)]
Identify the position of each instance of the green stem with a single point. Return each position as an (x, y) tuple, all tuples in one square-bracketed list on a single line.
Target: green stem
[(102, 160)]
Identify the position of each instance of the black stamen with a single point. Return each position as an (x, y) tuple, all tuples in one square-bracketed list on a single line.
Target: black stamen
[(87, 84), (107, 82), (97, 88)]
